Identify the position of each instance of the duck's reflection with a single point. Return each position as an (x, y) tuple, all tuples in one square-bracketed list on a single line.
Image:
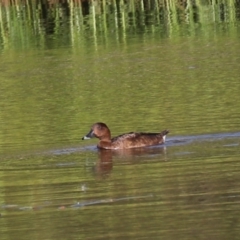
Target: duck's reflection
[(104, 164)]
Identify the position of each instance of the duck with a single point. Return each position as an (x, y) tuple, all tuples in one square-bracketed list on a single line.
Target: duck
[(125, 141)]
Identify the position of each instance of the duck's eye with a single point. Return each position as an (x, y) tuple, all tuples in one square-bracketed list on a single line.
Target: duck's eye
[(99, 127)]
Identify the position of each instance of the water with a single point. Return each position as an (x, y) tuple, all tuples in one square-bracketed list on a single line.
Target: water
[(142, 72), (190, 184)]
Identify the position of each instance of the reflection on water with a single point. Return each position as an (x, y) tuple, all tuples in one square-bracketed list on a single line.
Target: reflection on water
[(193, 186), (48, 24), (104, 163), (138, 66)]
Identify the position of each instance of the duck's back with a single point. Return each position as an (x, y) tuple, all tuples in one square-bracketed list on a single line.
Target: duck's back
[(134, 140)]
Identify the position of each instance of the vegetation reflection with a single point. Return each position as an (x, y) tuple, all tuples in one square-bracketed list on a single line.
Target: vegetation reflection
[(22, 21)]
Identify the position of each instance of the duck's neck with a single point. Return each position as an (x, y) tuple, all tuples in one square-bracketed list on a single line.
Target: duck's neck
[(106, 137), (104, 145), (105, 141)]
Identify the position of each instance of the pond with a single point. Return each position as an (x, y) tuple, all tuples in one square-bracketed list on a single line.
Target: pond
[(137, 66)]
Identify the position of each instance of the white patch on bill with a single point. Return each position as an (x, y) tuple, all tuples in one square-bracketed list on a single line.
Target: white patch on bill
[(85, 137)]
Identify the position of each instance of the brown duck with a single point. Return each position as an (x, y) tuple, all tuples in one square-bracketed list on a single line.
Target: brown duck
[(124, 141)]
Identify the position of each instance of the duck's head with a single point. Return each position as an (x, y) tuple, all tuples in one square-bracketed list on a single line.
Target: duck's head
[(99, 130)]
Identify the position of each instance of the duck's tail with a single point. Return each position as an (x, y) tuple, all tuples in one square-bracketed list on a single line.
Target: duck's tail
[(164, 133)]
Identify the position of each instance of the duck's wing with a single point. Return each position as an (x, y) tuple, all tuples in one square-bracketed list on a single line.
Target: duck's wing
[(132, 139)]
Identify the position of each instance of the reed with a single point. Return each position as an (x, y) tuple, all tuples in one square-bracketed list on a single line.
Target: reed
[(23, 20)]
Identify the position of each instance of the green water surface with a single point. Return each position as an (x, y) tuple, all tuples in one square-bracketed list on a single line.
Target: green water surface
[(136, 68)]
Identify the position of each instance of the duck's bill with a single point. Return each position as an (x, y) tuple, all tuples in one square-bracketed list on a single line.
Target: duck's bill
[(89, 135), (85, 137)]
